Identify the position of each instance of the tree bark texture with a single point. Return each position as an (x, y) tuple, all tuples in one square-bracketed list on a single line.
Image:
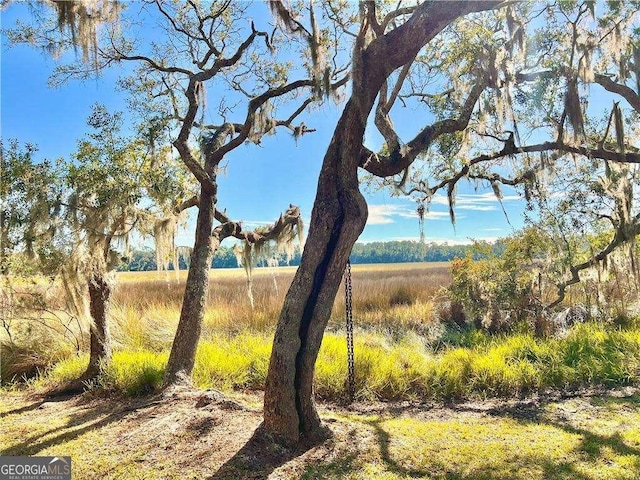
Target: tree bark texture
[(100, 290), (185, 342), (338, 217)]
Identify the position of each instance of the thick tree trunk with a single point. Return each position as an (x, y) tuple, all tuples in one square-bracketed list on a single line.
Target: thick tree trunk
[(100, 290), (338, 217), (185, 343)]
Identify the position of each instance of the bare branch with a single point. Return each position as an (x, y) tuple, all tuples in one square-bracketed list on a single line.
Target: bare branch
[(190, 202), (389, 17), (229, 228), (625, 92), (253, 106), (181, 142), (152, 63), (622, 235)]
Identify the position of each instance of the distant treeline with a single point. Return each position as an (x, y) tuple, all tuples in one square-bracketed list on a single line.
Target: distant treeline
[(374, 252)]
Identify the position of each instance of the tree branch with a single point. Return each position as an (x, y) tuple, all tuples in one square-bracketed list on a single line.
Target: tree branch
[(621, 236), (399, 159), (181, 142), (229, 228), (625, 92), (253, 106)]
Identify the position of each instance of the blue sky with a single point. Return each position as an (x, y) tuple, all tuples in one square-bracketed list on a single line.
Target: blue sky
[(260, 181)]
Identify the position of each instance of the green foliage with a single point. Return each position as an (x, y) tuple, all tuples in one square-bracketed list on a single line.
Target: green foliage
[(130, 372), (31, 201), (135, 373), (119, 183), (502, 291), (362, 253), (497, 287), (67, 370), (240, 362), (482, 366)]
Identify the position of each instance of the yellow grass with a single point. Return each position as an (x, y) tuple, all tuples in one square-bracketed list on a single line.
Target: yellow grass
[(385, 296)]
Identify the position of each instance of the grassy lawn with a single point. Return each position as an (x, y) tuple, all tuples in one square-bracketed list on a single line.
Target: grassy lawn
[(586, 437), (596, 438)]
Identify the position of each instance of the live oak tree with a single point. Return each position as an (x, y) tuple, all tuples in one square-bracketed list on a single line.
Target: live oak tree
[(74, 218), (29, 194), (582, 161), (472, 73), (218, 45), (340, 211), (29, 201), (116, 185)]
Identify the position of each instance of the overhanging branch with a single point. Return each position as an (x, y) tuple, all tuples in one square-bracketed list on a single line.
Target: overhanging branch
[(401, 158), (622, 235)]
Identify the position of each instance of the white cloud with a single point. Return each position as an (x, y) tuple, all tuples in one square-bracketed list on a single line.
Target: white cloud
[(476, 208), (483, 202), (384, 214)]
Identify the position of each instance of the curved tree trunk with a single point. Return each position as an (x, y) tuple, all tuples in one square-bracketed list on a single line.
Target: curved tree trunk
[(338, 217), (185, 343), (100, 290)]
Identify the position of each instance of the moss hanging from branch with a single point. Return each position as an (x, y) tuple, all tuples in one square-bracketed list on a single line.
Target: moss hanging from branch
[(164, 232), (421, 211), (82, 19), (263, 242), (573, 108)]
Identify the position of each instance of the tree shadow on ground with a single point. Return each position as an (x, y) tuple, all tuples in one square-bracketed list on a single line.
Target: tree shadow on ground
[(261, 455), (593, 447), (94, 416), (27, 408), (38, 401), (592, 443), (384, 440)]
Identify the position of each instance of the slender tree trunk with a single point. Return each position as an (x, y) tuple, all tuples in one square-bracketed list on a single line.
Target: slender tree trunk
[(185, 343), (338, 217), (100, 290)]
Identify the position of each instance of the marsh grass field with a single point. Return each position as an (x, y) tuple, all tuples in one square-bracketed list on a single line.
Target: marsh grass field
[(405, 346), (432, 400)]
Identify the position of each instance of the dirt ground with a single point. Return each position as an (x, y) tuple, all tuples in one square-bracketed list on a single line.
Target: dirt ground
[(184, 434), (194, 434)]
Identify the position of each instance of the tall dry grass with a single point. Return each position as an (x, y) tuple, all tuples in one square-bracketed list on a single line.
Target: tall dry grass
[(390, 298), (395, 312), (387, 297)]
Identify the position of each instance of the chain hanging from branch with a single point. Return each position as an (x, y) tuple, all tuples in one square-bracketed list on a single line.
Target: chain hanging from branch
[(348, 306)]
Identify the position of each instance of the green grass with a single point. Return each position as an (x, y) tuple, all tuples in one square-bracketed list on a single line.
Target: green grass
[(497, 446), (402, 350), (390, 369)]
